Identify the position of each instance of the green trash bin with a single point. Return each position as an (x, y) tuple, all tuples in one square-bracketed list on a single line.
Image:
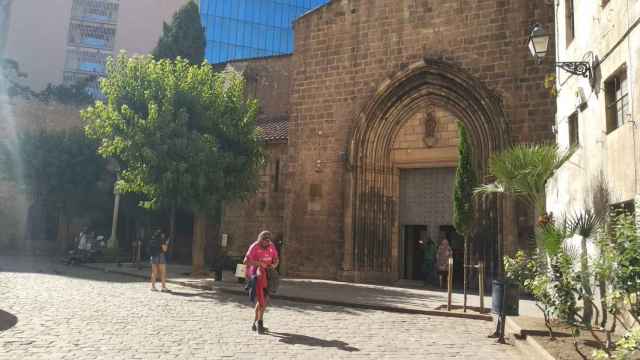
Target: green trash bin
[(505, 298)]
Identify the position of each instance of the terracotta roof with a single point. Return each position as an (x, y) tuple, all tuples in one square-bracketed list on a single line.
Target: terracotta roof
[(274, 130)]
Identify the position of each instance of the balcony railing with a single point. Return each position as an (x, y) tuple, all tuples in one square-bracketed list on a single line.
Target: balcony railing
[(86, 61), (95, 36), (97, 11)]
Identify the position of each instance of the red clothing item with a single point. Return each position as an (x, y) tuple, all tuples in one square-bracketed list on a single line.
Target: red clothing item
[(269, 256)]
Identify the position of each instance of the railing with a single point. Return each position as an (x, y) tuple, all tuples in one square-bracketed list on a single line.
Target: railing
[(98, 11), (92, 36), (88, 61)]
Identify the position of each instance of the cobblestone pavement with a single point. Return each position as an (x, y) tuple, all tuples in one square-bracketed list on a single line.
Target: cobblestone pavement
[(75, 313)]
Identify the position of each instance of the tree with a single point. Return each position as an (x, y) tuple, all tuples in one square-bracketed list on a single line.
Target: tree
[(60, 170), (185, 135), (585, 224), (463, 210), (184, 37)]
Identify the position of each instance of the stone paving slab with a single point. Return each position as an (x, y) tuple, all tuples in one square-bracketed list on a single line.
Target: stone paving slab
[(76, 313)]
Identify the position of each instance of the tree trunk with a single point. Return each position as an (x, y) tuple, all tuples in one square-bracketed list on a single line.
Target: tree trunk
[(172, 230), (603, 302), (198, 245), (465, 270), (62, 236), (587, 312), (172, 224)]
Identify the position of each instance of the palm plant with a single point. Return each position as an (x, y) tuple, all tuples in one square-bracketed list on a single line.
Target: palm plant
[(585, 224), (522, 171), (551, 237)]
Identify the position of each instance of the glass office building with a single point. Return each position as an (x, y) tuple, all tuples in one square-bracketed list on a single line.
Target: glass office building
[(242, 29)]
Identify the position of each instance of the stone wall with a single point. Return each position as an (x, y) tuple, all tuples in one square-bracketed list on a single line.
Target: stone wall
[(347, 50), (268, 80), (243, 221), (411, 151)]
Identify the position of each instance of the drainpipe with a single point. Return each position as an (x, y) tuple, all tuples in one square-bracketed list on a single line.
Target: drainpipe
[(634, 121)]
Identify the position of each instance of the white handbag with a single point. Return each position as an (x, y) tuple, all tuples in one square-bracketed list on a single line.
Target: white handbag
[(240, 270)]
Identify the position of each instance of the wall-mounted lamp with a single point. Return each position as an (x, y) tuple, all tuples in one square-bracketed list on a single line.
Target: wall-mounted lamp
[(539, 45)]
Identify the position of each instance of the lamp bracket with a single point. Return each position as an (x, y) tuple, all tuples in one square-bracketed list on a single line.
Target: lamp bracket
[(581, 68)]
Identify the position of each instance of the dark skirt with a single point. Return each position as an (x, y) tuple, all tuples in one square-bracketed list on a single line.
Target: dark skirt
[(158, 259)]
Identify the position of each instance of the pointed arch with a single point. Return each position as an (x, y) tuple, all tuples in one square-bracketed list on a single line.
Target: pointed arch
[(371, 210)]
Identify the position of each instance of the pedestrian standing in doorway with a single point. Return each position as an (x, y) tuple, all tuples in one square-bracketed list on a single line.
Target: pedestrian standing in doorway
[(444, 253), (157, 248), (429, 260), (261, 256)]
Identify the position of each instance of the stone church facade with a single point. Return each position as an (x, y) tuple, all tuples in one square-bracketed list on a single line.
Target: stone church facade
[(371, 98)]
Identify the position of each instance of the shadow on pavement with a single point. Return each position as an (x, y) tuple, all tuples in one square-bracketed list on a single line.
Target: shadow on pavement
[(296, 339), (242, 301), (7, 321), (365, 294), (53, 266)]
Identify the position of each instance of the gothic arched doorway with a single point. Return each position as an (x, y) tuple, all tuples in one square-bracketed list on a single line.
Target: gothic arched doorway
[(371, 250)]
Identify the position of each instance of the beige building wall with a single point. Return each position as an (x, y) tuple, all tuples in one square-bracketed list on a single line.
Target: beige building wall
[(37, 39), (608, 35), (140, 23), (38, 34)]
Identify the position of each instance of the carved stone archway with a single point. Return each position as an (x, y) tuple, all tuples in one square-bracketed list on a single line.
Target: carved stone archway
[(370, 251)]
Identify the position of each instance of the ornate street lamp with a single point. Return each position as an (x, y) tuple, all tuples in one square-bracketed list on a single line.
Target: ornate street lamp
[(539, 45)]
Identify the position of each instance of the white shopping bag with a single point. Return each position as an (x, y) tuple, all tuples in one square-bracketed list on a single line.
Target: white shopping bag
[(240, 270)]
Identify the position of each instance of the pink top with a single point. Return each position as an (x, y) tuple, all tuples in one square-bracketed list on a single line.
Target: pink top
[(258, 253)]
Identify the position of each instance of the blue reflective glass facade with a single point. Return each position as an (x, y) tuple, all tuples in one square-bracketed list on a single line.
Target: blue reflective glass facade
[(241, 29)]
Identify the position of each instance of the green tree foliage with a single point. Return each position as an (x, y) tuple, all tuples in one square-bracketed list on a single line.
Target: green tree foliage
[(185, 135), (464, 184), (523, 171), (60, 165), (465, 181), (60, 168), (184, 37), (557, 277)]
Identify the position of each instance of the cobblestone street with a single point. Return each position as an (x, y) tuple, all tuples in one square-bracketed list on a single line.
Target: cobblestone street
[(76, 313)]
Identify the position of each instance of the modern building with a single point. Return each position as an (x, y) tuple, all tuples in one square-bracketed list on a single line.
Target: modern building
[(598, 113), (372, 94), (4, 23), (244, 29), (60, 41)]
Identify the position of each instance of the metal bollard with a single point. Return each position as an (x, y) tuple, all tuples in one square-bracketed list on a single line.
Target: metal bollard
[(481, 285), (450, 283)]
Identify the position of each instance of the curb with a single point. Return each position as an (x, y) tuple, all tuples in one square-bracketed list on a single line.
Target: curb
[(387, 308), (528, 343)]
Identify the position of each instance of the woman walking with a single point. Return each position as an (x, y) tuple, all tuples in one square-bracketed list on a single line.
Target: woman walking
[(261, 256), (158, 247)]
